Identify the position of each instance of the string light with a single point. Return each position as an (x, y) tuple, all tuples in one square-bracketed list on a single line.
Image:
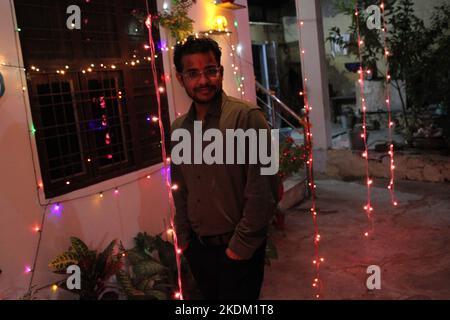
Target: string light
[(170, 188), (312, 186), (391, 186), (368, 208), (236, 51), (56, 208)]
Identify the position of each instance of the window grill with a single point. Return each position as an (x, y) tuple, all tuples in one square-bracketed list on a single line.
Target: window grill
[(92, 109)]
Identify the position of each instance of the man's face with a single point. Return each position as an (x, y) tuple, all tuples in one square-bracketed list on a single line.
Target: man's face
[(201, 77)]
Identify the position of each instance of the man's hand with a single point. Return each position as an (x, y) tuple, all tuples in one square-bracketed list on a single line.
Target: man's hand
[(233, 256)]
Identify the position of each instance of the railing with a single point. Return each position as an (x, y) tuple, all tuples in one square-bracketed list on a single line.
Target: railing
[(270, 104)]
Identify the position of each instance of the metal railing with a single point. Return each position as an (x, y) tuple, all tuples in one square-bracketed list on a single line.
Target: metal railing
[(271, 103)]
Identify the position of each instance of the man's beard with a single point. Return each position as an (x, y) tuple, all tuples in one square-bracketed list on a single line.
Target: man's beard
[(214, 98)]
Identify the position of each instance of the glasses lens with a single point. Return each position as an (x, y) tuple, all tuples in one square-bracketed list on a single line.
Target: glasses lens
[(192, 75), (209, 73)]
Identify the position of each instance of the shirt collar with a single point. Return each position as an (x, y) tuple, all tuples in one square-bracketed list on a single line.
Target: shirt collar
[(214, 110)]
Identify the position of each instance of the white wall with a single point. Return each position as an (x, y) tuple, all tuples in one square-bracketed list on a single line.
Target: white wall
[(141, 206)]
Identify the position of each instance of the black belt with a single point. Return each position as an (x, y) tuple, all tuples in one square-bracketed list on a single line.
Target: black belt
[(218, 240)]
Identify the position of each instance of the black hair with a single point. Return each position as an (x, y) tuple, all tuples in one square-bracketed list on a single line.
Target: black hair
[(195, 45)]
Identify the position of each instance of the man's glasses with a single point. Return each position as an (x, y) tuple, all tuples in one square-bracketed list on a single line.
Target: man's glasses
[(210, 73)]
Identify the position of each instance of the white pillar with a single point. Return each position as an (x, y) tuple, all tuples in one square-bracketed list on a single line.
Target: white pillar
[(314, 69)]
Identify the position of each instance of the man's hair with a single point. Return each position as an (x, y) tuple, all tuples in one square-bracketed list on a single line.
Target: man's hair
[(195, 45)]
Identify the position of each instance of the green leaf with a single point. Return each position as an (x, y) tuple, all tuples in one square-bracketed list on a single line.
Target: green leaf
[(109, 249), (104, 257), (148, 268), (135, 257), (126, 284), (166, 252), (79, 247), (63, 261)]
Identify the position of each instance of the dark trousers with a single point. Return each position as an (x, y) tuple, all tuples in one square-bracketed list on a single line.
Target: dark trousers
[(219, 277)]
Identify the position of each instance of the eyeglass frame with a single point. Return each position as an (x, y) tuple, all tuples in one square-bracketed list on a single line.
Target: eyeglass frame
[(198, 76)]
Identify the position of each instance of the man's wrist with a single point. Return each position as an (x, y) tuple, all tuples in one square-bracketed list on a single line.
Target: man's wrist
[(232, 255)]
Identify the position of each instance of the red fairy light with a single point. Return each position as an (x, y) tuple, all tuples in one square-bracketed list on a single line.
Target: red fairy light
[(388, 107), (365, 154), (309, 163), (151, 43)]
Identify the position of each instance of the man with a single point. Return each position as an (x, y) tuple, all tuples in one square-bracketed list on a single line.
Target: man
[(222, 210)]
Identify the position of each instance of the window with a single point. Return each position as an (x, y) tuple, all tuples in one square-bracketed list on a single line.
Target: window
[(91, 90)]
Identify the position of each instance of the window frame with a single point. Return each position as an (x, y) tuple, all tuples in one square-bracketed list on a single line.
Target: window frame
[(139, 157)]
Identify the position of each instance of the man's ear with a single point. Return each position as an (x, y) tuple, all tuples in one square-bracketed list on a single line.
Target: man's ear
[(180, 79)]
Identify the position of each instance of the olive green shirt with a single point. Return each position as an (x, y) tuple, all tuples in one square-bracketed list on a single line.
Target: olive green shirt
[(224, 198)]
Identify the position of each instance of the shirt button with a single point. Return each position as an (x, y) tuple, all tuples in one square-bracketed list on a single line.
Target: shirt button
[(198, 200), (198, 177)]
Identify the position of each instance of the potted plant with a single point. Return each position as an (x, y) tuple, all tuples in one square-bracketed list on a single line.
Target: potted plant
[(292, 158), (150, 271), (96, 269)]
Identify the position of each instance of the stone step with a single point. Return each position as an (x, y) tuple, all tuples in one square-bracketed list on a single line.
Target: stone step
[(294, 192)]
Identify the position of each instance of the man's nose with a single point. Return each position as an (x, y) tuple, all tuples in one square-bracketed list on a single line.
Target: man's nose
[(203, 78)]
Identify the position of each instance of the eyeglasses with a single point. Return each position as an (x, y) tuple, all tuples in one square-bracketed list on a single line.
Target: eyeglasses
[(210, 73)]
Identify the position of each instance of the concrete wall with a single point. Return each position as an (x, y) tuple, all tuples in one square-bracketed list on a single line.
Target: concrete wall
[(348, 165), (141, 206)]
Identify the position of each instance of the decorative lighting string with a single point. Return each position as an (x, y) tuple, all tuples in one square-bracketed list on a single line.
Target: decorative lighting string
[(32, 131), (368, 207), (237, 64), (170, 187), (318, 260), (391, 185), (56, 207), (37, 229)]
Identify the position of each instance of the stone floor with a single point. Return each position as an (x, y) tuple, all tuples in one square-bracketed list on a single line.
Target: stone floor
[(410, 244)]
